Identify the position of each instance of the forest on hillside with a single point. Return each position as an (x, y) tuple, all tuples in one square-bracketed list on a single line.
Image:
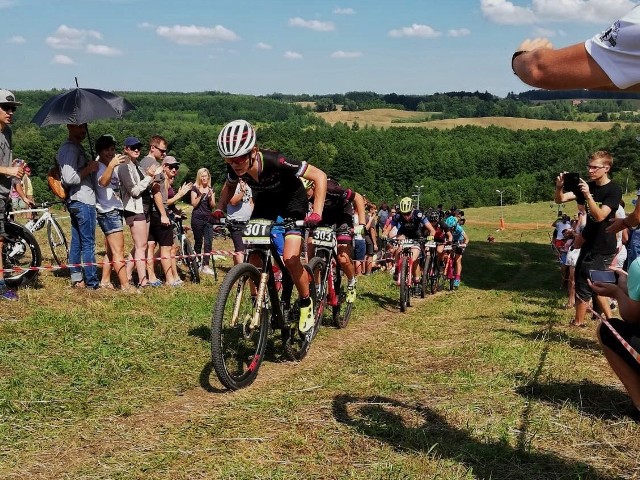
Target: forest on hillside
[(463, 166)]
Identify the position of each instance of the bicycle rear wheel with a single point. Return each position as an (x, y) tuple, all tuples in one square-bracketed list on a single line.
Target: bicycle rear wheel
[(237, 349), (20, 251), (191, 261), (57, 242), (342, 311), (404, 287), (296, 344)]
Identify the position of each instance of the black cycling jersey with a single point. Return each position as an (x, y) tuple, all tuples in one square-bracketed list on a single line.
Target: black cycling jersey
[(278, 190), (413, 227)]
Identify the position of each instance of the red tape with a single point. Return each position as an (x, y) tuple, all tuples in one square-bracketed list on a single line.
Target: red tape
[(127, 260)]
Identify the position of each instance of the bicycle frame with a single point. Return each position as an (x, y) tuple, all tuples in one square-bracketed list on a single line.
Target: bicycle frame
[(40, 222), (328, 251), (267, 254)]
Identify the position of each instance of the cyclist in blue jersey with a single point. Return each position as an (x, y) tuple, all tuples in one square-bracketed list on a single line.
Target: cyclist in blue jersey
[(411, 224), (277, 192), (338, 210), (460, 237)]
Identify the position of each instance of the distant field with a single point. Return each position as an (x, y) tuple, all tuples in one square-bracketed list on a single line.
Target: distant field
[(384, 117)]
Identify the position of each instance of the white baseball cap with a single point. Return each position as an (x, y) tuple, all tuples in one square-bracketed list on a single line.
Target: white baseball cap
[(8, 98)]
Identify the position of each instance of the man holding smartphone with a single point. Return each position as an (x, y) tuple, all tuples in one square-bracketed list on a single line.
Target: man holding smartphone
[(599, 247)]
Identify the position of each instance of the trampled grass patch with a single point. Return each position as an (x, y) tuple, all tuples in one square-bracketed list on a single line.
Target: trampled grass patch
[(485, 382)]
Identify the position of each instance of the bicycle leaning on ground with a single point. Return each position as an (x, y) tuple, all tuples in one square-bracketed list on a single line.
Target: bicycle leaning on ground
[(249, 306), (55, 235), (21, 255), (331, 281)]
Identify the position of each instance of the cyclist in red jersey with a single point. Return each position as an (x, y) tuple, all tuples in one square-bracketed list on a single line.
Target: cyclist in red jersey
[(338, 210)]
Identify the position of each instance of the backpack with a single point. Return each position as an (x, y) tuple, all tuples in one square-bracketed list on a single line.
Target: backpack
[(54, 180)]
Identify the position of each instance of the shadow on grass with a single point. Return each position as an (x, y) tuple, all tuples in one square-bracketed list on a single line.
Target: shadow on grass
[(416, 428), (556, 337), (205, 380), (386, 301), (605, 402), (524, 267)]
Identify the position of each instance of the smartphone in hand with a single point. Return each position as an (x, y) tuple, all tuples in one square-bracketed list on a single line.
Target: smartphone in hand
[(604, 276)]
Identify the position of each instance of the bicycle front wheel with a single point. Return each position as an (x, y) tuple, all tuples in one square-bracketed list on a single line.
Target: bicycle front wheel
[(318, 266), (342, 311), (404, 287), (424, 277), (237, 348), (57, 242), (20, 251)]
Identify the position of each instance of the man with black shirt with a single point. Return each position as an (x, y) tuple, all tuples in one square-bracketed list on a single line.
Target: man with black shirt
[(601, 199)]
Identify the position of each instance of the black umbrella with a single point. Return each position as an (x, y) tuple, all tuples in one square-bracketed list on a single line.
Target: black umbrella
[(81, 105)]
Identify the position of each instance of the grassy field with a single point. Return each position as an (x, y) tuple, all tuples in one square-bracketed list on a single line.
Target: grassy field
[(388, 117), (486, 382)]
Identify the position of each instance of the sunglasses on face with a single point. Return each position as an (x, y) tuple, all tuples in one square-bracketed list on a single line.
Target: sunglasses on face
[(8, 108), (173, 167), (135, 147), (161, 150), (237, 160)]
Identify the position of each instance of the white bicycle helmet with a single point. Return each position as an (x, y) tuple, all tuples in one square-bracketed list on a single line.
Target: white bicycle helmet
[(236, 139)]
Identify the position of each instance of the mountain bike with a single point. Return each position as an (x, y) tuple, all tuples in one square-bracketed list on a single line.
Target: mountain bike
[(404, 278), (331, 281), (433, 272), (55, 235), (249, 306), (449, 265), (20, 252), (185, 249)]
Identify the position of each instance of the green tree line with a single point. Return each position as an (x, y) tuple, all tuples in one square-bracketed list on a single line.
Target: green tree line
[(462, 166)]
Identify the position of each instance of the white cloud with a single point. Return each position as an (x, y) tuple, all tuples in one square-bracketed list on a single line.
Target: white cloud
[(62, 60), (17, 39), (263, 46), (71, 38), (544, 32), (195, 35), (459, 32), (343, 54), (583, 11), (289, 55), (146, 26), (415, 30), (344, 11), (311, 24), (103, 50)]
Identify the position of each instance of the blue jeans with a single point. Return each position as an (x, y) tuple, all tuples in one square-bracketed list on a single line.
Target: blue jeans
[(83, 243), (633, 246)]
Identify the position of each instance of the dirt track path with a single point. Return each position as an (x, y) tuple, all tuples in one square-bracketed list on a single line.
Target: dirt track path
[(144, 430)]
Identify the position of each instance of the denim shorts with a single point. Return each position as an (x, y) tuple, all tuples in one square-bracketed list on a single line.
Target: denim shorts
[(110, 222)]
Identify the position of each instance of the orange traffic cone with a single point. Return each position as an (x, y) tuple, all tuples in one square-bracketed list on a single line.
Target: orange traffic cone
[(501, 223)]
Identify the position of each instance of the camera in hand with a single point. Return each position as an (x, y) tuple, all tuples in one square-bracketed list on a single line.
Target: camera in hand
[(572, 184)]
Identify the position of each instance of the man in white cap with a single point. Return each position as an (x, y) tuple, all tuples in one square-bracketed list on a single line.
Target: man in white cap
[(8, 107)]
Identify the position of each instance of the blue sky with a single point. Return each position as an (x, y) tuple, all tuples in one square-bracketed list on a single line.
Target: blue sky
[(287, 46)]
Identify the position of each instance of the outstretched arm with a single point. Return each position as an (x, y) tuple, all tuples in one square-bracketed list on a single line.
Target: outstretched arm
[(538, 64)]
